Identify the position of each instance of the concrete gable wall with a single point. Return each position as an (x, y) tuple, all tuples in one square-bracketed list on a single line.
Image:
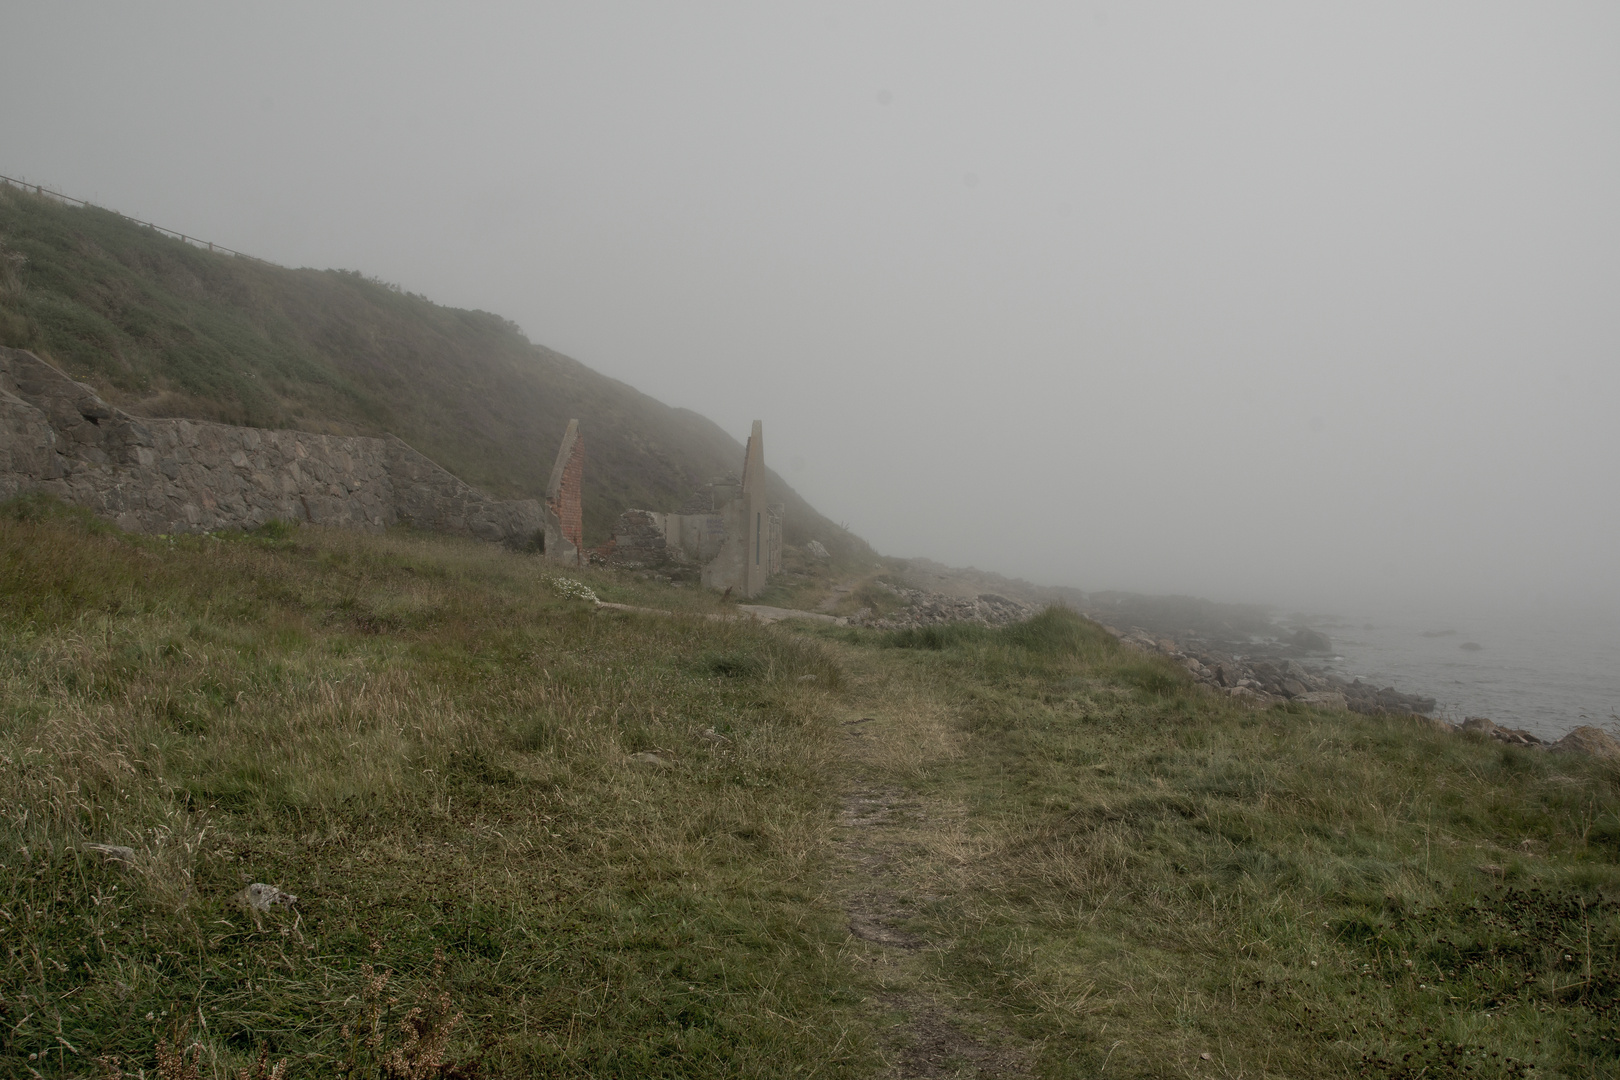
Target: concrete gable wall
[(738, 546)]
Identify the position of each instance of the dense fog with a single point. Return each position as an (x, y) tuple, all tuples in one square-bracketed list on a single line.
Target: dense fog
[(1275, 302)]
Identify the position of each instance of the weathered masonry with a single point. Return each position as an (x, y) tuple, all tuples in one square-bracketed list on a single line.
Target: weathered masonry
[(564, 539), (731, 531), (179, 476), (188, 476)]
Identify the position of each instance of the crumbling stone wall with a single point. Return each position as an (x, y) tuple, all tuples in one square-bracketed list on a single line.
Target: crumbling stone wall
[(730, 532), (564, 540), (426, 496), (163, 476), (640, 539)]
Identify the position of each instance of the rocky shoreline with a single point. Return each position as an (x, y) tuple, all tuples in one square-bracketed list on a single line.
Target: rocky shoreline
[(1273, 677), (1260, 673), (1227, 648), (1270, 674)]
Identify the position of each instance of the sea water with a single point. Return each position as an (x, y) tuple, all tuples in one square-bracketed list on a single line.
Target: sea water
[(1542, 669)]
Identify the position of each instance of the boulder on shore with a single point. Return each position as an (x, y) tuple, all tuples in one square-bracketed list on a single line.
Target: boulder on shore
[(1589, 740), (1311, 641), (1512, 736)]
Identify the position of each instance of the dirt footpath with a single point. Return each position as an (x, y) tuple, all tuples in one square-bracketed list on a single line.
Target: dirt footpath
[(891, 845)]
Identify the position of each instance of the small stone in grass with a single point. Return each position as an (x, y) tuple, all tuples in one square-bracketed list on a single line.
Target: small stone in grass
[(113, 852), (261, 897)]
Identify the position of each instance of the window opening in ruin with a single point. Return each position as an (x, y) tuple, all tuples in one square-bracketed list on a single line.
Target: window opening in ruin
[(756, 539)]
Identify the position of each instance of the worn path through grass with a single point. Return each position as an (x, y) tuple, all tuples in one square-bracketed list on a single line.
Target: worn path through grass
[(934, 1028), (1060, 859)]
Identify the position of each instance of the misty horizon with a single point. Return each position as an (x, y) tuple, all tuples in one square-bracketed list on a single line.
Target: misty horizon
[(1303, 308)]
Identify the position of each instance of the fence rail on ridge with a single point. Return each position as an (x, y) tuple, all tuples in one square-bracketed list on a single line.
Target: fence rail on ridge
[(40, 189)]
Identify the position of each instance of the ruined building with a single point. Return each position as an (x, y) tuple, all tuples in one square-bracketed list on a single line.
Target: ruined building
[(730, 532), (179, 476), (564, 537)]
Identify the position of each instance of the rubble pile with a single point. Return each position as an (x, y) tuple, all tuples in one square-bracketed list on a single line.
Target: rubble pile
[(925, 608)]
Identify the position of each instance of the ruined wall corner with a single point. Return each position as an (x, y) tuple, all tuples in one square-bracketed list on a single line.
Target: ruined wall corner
[(564, 536)]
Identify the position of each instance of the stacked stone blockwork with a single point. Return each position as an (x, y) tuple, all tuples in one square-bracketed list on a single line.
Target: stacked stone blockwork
[(177, 476), (732, 533)]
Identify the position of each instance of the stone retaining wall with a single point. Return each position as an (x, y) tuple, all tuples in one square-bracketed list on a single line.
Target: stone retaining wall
[(169, 476)]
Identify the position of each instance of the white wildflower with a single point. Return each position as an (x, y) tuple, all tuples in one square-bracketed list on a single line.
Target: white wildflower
[(573, 590)]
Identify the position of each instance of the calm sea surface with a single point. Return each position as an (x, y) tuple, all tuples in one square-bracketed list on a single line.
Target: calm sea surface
[(1543, 670)]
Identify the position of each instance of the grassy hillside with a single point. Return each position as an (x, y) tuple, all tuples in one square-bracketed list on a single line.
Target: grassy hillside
[(583, 842), (162, 328)]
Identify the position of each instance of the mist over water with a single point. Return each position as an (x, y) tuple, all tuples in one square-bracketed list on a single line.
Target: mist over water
[(1546, 670), (1309, 306)]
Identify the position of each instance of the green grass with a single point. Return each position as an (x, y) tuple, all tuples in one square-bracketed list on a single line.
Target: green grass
[(443, 756), (1144, 873), (430, 748)]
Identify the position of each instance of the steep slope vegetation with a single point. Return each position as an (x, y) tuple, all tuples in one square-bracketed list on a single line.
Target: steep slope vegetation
[(164, 328)]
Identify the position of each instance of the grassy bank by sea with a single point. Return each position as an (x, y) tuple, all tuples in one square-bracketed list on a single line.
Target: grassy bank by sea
[(531, 837)]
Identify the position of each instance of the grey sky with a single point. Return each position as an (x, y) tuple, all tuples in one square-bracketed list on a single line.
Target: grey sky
[(1294, 302)]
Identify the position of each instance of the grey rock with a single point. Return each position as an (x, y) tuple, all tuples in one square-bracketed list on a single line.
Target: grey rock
[(1311, 641), (262, 897), (1393, 701), (926, 608), (1589, 740), (1480, 725), (113, 852)]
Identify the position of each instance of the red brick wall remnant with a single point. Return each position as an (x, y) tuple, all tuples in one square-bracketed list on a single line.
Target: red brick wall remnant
[(567, 504)]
